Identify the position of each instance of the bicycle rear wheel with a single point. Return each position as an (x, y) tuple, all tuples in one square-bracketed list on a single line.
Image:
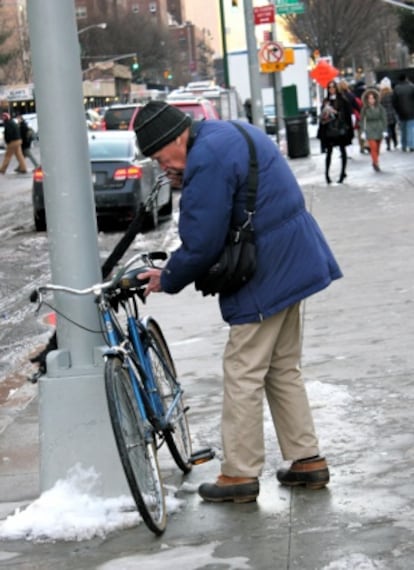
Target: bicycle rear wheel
[(177, 435), (138, 456)]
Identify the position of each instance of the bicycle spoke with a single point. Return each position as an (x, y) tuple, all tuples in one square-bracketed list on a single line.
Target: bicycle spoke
[(177, 433), (138, 453)]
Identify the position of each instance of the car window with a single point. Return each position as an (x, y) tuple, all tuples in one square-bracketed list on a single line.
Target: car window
[(195, 111), (110, 150), (119, 119), (211, 111)]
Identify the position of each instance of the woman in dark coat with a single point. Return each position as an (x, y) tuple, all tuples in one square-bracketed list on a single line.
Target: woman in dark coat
[(335, 127)]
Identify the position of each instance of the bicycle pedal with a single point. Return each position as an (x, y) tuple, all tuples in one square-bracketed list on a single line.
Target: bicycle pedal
[(202, 456)]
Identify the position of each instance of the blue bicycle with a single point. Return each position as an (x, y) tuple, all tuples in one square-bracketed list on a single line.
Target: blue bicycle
[(145, 398)]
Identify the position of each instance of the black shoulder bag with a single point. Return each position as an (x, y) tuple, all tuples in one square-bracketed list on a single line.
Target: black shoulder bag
[(237, 262)]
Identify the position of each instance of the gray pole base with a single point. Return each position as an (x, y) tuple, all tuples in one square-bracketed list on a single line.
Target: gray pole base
[(75, 427)]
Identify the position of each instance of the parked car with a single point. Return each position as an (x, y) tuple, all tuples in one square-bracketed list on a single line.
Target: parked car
[(270, 119), (121, 117), (122, 180), (196, 107)]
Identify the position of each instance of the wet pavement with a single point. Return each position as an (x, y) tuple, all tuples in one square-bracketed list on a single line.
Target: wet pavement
[(358, 363)]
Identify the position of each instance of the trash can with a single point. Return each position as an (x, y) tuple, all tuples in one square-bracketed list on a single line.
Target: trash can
[(297, 137), (290, 101)]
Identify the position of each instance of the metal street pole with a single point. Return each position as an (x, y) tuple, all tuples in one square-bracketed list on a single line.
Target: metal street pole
[(277, 87), (253, 60), (224, 45), (74, 424)]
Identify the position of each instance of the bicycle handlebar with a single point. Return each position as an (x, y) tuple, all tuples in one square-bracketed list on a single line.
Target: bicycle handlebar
[(96, 289)]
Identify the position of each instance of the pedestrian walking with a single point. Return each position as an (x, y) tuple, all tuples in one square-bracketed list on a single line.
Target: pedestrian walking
[(358, 89), (13, 141), (262, 354), (356, 106), (26, 134), (335, 128), (248, 110), (403, 101), (374, 124), (386, 101)]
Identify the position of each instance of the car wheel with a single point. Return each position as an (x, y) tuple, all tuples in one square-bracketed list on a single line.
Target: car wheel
[(40, 222)]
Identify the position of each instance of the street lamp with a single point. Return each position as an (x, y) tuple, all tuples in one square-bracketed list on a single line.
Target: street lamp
[(102, 25), (400, 4)]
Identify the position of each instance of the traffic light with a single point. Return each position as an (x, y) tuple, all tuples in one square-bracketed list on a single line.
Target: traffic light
[(167, 74), (135, 64)]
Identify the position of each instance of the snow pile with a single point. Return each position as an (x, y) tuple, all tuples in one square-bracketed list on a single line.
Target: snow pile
[(72, 511)]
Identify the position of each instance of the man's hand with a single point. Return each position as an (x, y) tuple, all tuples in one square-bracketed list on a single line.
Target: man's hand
[(175, 177), (154, 285)]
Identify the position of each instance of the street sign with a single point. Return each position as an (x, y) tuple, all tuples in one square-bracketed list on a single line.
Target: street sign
[(271, 67), (264, 14), (271, 52), (323, 73), (289, 7)]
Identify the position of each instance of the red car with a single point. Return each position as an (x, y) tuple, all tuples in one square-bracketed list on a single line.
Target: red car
[(197, 107)]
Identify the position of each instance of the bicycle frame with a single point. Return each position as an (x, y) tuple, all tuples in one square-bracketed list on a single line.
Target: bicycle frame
[(144, 397), (132, 344), (140, 372)]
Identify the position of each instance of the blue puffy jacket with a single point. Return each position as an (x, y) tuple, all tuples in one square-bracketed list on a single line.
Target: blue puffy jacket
[(293, 258)]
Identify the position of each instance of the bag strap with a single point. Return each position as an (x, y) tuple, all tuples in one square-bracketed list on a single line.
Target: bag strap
[(253, 175)]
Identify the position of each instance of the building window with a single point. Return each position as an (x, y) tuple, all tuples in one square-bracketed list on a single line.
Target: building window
[(152, 7), (81, 12)]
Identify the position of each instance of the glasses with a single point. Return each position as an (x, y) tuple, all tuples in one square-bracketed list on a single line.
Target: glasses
[(333, 86)]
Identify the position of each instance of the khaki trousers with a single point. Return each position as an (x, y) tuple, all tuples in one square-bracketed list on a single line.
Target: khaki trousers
[(13, 148), (263, 359)]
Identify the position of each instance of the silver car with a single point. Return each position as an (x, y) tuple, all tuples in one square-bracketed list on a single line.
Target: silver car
[(122, 181)]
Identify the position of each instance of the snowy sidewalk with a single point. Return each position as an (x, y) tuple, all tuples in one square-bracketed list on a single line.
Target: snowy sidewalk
[(358, 364)]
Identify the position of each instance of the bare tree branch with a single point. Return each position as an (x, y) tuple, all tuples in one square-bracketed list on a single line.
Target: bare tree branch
[(345, 30)]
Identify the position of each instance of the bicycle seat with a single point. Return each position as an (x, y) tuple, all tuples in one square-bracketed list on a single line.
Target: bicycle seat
[(130, 279)]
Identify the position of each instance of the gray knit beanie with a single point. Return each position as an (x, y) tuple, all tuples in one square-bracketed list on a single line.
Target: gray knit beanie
[(158, 124)]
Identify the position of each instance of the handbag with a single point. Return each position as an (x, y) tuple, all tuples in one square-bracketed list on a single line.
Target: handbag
[(336, 128), (236, 264)]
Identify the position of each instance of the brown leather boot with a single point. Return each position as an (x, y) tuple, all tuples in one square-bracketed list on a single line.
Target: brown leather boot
[(236, 489), (312, 473)]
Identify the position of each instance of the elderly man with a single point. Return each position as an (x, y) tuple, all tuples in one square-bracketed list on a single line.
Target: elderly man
[(262, 354), (13, 140)]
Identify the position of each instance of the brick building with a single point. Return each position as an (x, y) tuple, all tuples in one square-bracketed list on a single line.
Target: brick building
[(189, 60)]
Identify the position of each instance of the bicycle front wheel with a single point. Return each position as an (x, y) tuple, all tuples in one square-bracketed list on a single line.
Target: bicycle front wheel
[(138, 455), (177, 435)]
